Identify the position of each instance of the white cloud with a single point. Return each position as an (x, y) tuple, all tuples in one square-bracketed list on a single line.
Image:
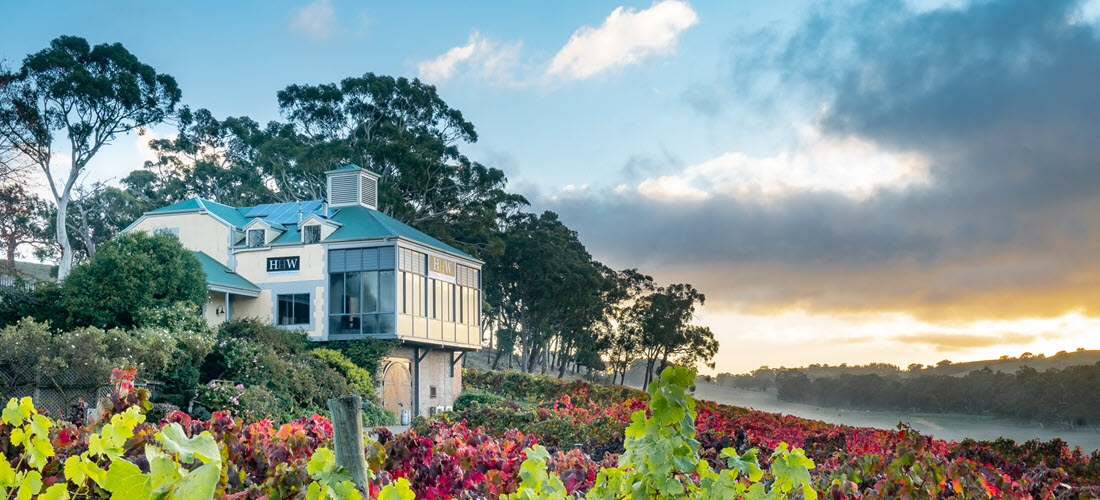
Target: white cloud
[(626, 37), (848, 166), (482, 57), (316, 20)]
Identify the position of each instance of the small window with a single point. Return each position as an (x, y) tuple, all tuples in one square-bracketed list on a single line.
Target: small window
[(294, 309), (174, 231), (255, 238), (311, 234), (432, 392)]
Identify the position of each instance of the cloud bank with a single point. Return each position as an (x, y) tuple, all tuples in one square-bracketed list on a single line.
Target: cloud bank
[(626, 37), (315, 21), (995, 105)]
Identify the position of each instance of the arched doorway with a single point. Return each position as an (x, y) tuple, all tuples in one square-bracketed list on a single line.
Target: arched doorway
[(397, 388)]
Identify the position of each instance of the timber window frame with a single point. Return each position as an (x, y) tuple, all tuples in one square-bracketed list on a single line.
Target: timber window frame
[(293, 309), (311, 233), (256, 238)]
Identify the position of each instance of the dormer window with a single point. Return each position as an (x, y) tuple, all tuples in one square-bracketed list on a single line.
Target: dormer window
[(255, 238), (311, 234)]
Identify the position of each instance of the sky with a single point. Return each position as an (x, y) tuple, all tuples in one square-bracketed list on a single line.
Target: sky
[(847, 181)]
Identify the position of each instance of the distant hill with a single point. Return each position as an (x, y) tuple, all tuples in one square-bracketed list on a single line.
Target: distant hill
[(1010, 365), (1005, 364), (40, 272)]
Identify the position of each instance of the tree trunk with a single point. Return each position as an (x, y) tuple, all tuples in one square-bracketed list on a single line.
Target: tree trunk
[(66, 263), (524, 338), (11, 258)]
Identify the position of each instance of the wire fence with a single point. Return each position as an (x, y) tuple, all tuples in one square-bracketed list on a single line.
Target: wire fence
[(57, 394)]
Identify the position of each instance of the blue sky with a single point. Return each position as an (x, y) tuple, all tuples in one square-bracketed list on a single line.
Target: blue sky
[(847, 181)]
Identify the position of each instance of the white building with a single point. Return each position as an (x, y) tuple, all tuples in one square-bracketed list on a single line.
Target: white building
[(338, 269)]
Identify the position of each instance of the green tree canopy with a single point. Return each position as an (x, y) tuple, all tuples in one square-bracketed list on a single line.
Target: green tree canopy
[(86, 94), (133, 271)]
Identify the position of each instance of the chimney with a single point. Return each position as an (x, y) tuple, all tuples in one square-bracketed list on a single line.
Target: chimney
[(352, 185)]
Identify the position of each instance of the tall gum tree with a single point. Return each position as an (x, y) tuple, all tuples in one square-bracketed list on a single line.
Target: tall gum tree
[(86, 94)]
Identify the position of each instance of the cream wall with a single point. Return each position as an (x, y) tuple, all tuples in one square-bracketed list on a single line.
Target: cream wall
[(198, 232), (213, 302), (252, 264)]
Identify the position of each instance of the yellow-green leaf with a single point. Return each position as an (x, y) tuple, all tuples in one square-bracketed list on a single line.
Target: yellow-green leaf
[(40, 425), (11, 414), (198, 484), (397, 490), (7, 474), (162, 467), (39, 452), (202, 446), (29, 485), (55, 492), (125, 481)]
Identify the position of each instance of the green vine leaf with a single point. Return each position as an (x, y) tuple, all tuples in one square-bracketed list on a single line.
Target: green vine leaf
[(202, 446)]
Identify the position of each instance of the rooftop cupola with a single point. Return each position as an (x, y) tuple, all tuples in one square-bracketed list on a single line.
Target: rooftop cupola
[(352, 185)]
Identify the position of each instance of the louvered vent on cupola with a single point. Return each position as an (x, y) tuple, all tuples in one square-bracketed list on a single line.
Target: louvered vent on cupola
[(352, 185)]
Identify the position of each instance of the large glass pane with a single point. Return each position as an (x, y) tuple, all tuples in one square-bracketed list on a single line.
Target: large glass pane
[(344, 324), (370, 324), (351, 292), (284, 309), (385, 324), (336, 294), (301, 309), (370, 291), (386, 291)]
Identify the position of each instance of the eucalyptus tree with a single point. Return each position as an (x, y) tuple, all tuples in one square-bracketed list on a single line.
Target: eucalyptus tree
[(662, 322), (87, 95), (405, 132), (208, 158), (545, 286), (17, 222)]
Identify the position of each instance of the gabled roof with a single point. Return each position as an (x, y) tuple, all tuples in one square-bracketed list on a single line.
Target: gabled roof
[(261, 220), (362, 222), (224, 212), (355, 222), (347, 168), (219, 275)]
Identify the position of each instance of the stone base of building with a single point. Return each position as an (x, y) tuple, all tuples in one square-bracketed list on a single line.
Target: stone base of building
[(420, 380)]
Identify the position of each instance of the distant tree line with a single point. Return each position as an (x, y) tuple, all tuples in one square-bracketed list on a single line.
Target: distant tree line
[(548, 305), (1069, 396)]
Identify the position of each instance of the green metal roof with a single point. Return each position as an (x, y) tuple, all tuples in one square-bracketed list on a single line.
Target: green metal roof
[(362, 222), (218, 274), (224, 212), (347, 168), (357, 223)]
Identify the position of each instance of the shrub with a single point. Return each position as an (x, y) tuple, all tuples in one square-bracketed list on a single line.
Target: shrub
[(374, 416), (87, 355), (358, 379), (253, 403), (194, 340), (252, 353), (282, 340), (38, 300), (469, 398), (366, 353), (131, 272)]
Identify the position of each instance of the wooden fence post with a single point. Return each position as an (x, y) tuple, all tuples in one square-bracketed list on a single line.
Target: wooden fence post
[(347, 438)]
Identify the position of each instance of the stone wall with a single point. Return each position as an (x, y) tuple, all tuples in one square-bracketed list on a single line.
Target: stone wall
[(435, 371)]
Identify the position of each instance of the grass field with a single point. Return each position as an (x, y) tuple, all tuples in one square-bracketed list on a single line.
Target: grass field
[(943, 426)]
